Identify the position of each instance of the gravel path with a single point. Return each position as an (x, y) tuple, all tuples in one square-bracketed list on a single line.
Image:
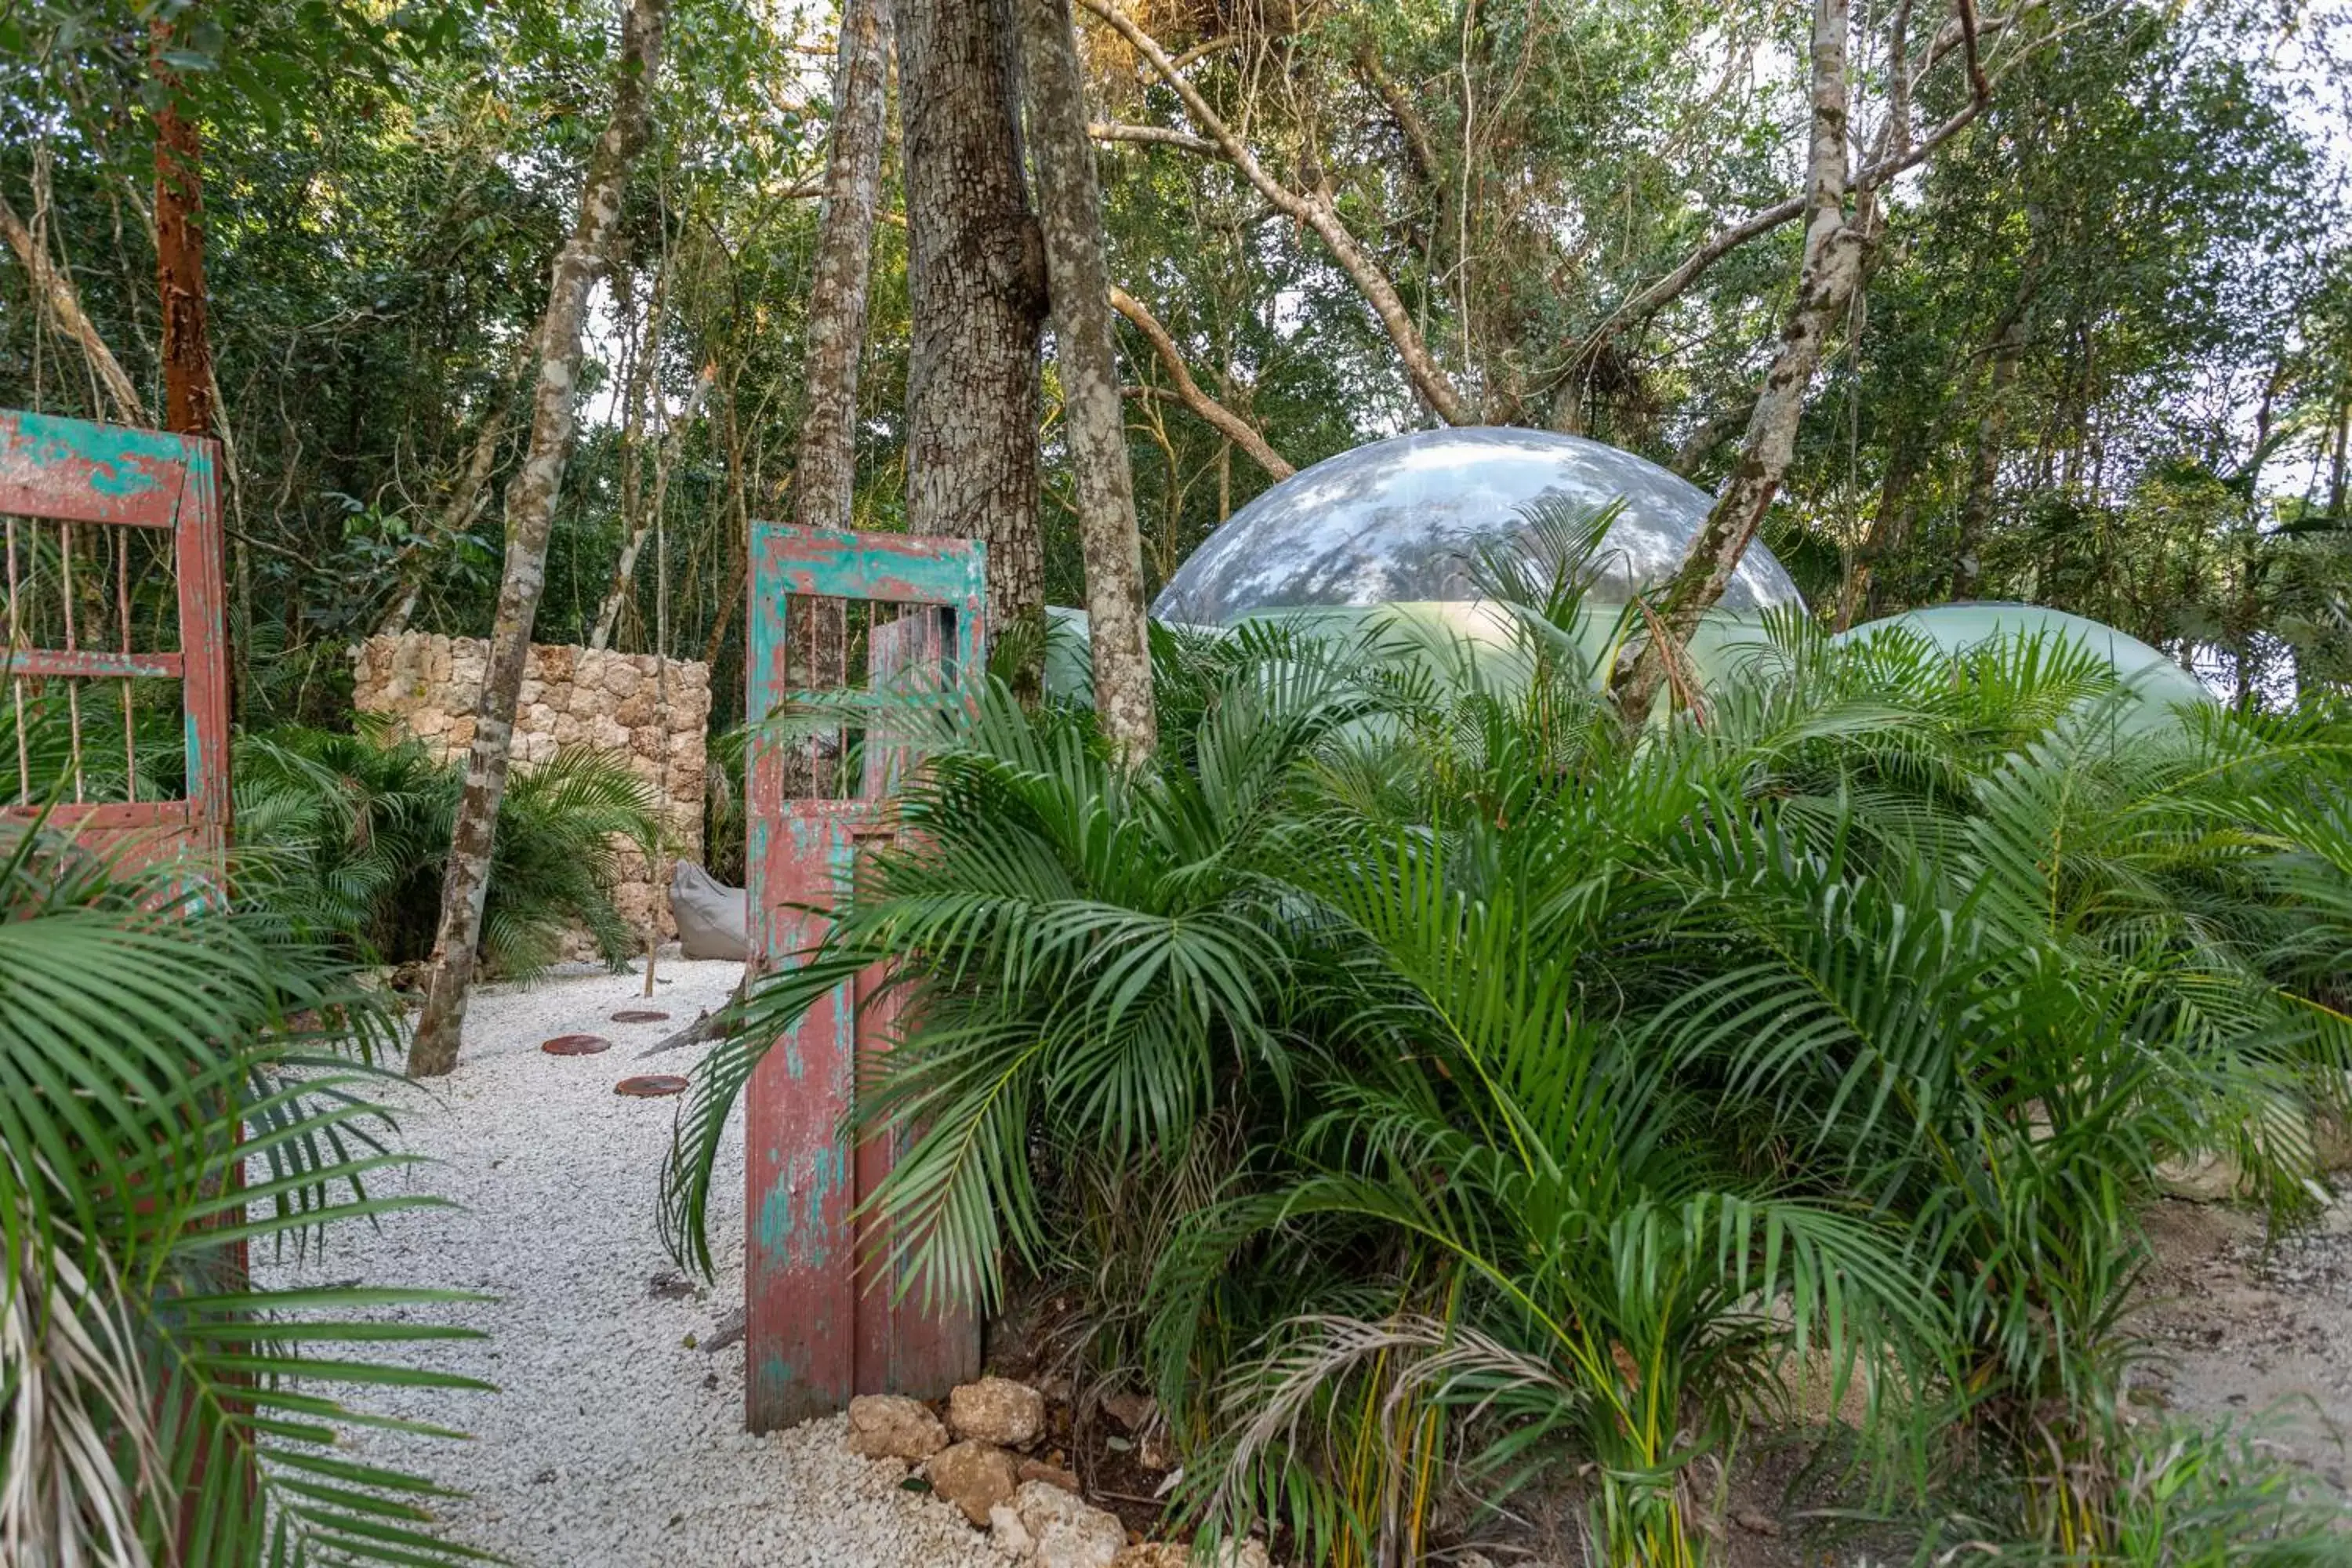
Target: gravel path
[(2258, 1334), (610, 1440)]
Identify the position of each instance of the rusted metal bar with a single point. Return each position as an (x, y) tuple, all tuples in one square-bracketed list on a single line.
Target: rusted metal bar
[(15, 682), (122, 816), (122, 625), (95, 664), (73, 688)]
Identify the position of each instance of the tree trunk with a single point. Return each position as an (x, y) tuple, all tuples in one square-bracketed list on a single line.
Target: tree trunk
[(56, 291), (824, 466), (187, 349), (1832, 265), (639, 354), (531, 513), (1069, 200), (642, 516), (976, 300), (1984, 472)]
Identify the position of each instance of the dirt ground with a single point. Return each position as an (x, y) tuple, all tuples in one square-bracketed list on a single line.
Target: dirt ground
[(2254, 1331), (2240, 1330)]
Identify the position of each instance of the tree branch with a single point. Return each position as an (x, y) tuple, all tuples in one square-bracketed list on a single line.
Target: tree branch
[(1157, 135), (57, 295), (1313, 208), (1228, 424)]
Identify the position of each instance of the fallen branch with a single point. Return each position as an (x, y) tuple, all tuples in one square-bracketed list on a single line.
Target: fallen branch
[(708, 1025)]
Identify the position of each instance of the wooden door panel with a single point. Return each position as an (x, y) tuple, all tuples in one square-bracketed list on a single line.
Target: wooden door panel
[(824, 1320)]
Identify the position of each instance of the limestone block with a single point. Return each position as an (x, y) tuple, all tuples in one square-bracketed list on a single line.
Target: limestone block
[(975, 1477), (1064, 1531), (888, 1425), (620, 679), (997, 1410)]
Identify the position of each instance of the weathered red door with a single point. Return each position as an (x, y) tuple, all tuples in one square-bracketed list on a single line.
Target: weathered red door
[(113, 578), (823, 1320)]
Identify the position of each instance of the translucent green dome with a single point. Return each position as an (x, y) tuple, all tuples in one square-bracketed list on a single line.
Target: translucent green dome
[(1956, 628)]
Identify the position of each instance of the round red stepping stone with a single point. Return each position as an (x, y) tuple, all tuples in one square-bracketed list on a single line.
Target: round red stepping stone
[(576, 1045), (640, 1015), (652, 1086)]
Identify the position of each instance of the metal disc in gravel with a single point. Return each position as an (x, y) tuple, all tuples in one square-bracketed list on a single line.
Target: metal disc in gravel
[(651, 1086), (640, 1015), (576, 1044)]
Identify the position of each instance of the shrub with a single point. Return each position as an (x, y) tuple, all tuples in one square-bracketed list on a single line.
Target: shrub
[(183, 1082), (1566, 1082), (346, 836)]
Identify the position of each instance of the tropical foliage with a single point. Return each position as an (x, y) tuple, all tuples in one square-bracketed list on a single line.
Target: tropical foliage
[(346, 834), (1557, 1095), (2102, 363), (184, 1084)]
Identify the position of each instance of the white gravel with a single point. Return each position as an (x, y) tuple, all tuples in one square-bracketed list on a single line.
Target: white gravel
[(610, 1441)]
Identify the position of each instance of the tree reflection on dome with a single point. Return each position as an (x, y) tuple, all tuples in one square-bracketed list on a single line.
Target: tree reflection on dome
[(1395, 522)]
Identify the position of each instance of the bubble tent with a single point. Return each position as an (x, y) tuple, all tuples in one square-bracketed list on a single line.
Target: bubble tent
[(2148, 672), (1396, 522), (1390, 529)]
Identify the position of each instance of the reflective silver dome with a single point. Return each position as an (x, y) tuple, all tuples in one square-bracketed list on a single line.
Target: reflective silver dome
[(1392, 522)]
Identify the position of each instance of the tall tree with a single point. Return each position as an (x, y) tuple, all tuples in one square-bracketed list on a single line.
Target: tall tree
[(530, 515), (1829, 269), (825, 467), (976, 302), (1070, 201), (188, 348)]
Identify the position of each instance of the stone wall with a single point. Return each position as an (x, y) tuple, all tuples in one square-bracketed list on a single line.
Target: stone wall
[(570, 696)]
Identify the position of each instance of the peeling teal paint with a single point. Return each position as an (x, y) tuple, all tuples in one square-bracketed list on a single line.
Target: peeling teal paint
[(122, 461), (791, 1222), (804, 1323)]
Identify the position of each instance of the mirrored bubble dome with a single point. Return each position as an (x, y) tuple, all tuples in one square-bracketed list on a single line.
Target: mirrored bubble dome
[(1396, 521)]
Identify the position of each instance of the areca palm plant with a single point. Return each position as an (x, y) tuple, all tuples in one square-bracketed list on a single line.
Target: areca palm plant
[(344, 836), (1568, 1084), (180, 1083)]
